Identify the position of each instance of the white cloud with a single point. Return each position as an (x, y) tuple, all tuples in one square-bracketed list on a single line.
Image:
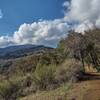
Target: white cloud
[(43, 32), (85, 26), (85, 12), (1, 14), (5, 41)]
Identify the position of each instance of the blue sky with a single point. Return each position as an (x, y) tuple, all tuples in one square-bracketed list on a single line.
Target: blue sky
[(20, 24), (17, 12)]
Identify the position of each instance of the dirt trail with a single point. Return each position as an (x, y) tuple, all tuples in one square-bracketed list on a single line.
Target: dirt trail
[(88, 89)]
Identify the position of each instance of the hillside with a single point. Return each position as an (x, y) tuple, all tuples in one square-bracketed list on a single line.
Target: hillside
[(83, 90), (12, 52), (42, 73)]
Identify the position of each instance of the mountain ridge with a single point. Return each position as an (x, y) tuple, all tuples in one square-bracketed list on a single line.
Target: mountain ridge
[(21, 50)]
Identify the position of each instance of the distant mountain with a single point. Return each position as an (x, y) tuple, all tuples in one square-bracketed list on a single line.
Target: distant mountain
[(21, 50)]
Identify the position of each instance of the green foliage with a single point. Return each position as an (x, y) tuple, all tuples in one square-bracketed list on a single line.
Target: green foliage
[(70, 70), (24, 65), (9, 90), (44, 76), (61, 46), (50, 69), (62, 49), (29, 64), (85, 48), (50, 58)]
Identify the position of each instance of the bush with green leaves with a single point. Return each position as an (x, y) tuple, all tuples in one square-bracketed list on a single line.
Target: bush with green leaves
[(70, 70), (9, 90), (44, 76)]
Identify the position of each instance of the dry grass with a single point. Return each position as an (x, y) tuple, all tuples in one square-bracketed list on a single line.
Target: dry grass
[(57, 94)]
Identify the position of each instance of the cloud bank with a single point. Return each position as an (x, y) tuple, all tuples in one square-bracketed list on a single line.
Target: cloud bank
[(86, 13), (83, 14), (41, 33)]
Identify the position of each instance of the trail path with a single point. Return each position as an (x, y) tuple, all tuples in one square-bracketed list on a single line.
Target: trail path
[(88, 89)]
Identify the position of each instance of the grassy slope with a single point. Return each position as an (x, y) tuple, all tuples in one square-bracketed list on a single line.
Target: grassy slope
[(84, 90), (57, 94)]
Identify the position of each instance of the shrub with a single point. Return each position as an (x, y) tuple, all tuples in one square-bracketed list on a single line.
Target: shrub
[(70, 70), (27, 85), (44, 76), (9, 90)]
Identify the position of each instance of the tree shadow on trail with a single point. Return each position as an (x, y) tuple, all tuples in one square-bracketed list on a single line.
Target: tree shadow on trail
[(90, 76)]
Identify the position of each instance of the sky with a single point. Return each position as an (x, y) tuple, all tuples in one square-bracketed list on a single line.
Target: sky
[(17, 12), (45, 22)]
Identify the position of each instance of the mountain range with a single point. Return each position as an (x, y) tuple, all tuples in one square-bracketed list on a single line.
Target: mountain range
[(21, 50)]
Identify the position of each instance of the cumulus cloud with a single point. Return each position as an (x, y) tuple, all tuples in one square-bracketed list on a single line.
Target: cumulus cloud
[(85, 26), (80, 15), (41, 33), (84, 12)]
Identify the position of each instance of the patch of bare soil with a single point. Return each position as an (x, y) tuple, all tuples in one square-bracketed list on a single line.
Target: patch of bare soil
[(87, 89)]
